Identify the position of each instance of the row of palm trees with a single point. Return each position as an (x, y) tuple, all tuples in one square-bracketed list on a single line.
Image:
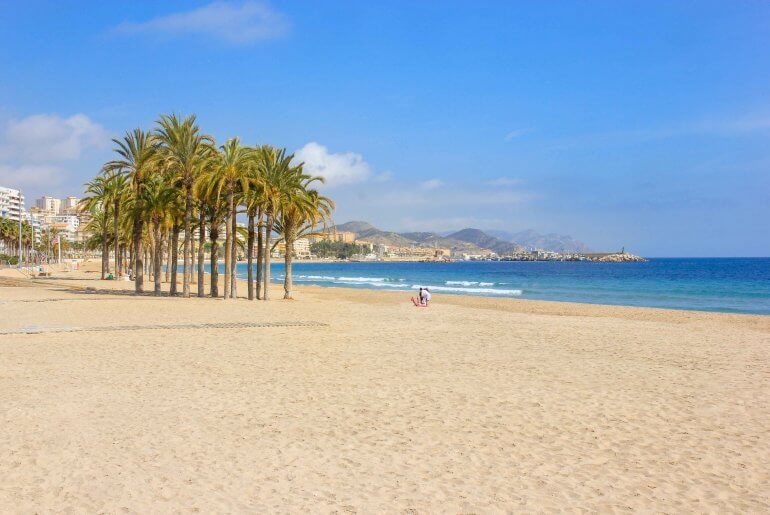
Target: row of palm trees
[(34, 247), (174, 182)]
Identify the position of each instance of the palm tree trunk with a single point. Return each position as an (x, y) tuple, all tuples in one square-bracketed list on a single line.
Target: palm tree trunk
[(228, 246), (249, 258), (105, 255), (138, 251), (153, 248), (174, 258), (287, 283), (116, 229), (268, 231), (260, 253), (157, 258), (187, 256), (234, 255), (201, 251), (214, 236), (168, 256)]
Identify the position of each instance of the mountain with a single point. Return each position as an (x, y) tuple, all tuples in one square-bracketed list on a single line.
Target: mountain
[(552, 241), (469, 241), (483, 240), (367, 232)]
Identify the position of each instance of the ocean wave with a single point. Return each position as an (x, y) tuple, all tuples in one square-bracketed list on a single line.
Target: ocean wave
[(487, 291), (363, 279), (461, 283)]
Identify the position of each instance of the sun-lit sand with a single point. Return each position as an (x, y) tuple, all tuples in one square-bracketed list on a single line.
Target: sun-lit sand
[(473, 405)]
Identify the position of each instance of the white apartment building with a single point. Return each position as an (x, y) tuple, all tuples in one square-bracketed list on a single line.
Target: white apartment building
[(70, 203), (67, 224), (49, 204), (11, 203), (302, 248)]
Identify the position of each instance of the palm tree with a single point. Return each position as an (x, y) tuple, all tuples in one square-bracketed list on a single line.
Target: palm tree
[(304, 212), (116, 195), (186, 151), (230, 177), (278, 179), (158, 193), (254, 199), (97, 201), (138, 155)]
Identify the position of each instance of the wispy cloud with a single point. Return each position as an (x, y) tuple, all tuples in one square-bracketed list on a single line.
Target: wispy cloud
[(503, 181), (719, 127), (234, 22), (516, 134), (431, 184)]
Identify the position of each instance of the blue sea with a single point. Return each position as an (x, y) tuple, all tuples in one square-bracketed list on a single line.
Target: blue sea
[(731, 285)]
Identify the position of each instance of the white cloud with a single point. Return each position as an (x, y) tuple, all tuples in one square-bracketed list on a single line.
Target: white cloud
[(233, 22), (337, 169), (30, 176), (516, 134), (503, 181), (46, 138), (431, 184)]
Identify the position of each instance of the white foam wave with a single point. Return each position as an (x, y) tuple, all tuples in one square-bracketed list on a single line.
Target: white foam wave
[(363, 279), (486, 291)]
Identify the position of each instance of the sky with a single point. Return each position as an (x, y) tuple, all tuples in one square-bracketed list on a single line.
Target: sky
[(641, 124)]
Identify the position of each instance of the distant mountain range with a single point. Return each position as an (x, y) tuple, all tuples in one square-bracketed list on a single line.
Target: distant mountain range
[(471, 241), (556, 242)]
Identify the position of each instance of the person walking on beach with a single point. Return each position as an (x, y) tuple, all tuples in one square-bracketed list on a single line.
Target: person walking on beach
[(425, 297)]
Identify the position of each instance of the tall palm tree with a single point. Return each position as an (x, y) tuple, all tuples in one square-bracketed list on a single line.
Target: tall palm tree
[(138, 155), (116, 195), (254, 199), (278, 180), (226, 180), (186, 151), (304, 212), (97, 201), (158, 193)]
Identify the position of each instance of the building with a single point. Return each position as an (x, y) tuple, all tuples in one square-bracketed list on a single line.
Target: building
[(302, 248), (68, 225), (11, 203), (49, 205), (337, 236), (70, 203)]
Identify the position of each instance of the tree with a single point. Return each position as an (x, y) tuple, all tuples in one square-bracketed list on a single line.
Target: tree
[(138, 155), (185, 152), (97, 201), (304, 212)]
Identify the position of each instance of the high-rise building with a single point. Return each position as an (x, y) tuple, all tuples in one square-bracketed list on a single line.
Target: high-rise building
[(69, 206), (11, 203), (49, 204)]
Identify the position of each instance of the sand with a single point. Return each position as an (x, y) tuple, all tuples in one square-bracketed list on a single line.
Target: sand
[(473, 405)]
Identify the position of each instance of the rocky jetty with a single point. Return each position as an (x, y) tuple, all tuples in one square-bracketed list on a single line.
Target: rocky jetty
[(621, 258)]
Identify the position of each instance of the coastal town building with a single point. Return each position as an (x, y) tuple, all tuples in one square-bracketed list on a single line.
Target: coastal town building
[(48, 204), (11, 203)]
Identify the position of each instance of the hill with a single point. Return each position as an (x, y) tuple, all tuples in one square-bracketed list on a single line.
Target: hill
[(483, 240), (552, 241)]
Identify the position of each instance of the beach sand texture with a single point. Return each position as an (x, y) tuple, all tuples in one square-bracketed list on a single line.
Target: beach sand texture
[(473, 405)]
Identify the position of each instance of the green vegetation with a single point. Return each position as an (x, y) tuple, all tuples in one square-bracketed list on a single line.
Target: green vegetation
[(173, 181), (336, 249)]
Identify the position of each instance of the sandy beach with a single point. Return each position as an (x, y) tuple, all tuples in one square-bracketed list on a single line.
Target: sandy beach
[(354, 401)]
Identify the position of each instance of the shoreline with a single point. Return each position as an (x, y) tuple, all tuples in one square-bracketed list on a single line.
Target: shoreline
[(499, 303)]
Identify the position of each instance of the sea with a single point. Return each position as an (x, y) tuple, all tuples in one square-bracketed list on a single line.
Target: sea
[(730, 285)]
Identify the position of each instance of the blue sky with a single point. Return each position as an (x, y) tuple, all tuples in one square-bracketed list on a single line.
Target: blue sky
[(644, 124)]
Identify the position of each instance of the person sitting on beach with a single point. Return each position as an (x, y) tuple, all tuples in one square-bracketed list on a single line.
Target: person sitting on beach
[(421, 301)]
